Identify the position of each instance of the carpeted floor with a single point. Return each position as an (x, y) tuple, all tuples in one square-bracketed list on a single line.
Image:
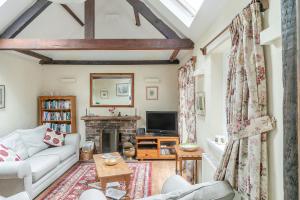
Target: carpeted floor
[(76, 180)]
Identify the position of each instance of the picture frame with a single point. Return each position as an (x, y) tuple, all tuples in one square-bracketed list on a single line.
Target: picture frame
[(122, 89), (200, 103), (152, 93), (104, 94), (2, 96)]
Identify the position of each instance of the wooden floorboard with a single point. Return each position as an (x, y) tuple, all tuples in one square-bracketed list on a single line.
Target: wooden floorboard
[(161, 170)]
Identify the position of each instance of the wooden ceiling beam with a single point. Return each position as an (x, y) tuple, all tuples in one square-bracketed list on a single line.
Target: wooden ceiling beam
[(95, 44), (163, 28), (137, 17), (26, 18), (109, 62), (70, 11), (174, 54), (23, 21), (35, 55), (89, 19)]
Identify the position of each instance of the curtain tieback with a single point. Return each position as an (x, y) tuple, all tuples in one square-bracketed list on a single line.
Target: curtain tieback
[(254, 127)]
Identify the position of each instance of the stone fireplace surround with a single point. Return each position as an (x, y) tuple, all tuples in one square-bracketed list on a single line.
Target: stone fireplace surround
[(125, 126)]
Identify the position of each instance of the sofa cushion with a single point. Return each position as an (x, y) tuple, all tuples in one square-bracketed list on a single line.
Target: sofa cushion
[(7, 154), (14, 142), (63, 152), (41, 165), (54, 138), (33, 139)]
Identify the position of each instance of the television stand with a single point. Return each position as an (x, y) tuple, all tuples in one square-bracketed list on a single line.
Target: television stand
[(161, 134), (156, 147)]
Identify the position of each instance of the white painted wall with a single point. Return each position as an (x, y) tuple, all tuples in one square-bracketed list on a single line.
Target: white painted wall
[(21, 78), (214, 80), (168, 88)]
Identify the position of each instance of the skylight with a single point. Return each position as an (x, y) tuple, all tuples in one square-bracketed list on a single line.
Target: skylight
[(2, 2), (185, 10), (192, 6)]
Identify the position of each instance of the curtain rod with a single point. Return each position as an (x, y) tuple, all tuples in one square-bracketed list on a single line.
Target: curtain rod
[(264, 7)]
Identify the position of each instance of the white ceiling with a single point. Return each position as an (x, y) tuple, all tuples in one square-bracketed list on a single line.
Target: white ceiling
[(114, 19)]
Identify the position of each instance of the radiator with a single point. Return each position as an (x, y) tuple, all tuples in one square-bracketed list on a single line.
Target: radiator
[(209, 166)]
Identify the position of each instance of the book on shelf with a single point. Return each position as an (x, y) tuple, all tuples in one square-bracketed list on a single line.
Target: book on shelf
[(57, 104), (65, 128), (56, 116)]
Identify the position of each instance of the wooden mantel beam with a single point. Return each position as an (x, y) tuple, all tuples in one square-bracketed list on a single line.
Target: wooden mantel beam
[(95, 44)]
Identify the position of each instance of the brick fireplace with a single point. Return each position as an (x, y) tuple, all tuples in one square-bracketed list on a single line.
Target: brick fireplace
[(97, 126)]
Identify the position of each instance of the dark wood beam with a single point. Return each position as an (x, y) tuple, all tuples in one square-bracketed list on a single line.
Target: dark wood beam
[(109, 62), (35, 55), (140, 7), (89, 19), (70, 11), (26, 18), (174, 55), (137, 17), (96, 44), (23, 21)]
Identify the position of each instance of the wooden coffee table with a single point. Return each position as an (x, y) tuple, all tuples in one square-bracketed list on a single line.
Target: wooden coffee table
[(117, 173)]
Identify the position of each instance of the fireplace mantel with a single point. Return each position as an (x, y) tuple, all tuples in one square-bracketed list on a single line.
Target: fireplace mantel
[(110, 118)]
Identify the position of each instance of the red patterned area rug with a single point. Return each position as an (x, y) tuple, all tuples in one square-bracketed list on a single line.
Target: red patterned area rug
[(77, 180)]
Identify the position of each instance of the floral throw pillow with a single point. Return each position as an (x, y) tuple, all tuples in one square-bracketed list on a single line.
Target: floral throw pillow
[(54, 138), (7, 154)]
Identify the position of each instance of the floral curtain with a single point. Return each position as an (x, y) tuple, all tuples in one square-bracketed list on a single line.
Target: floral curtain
[(187, 117), (245, 161)]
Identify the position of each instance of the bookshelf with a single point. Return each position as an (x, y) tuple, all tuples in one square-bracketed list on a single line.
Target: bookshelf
[(58, 112), (155, 147)]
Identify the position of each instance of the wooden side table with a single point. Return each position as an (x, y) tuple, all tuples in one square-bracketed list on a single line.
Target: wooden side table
[(183, 156)]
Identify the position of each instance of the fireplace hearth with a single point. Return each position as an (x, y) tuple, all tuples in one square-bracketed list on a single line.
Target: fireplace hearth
[(109, 132)]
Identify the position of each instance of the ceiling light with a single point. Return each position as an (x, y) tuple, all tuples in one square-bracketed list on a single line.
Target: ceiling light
[(66, 1)]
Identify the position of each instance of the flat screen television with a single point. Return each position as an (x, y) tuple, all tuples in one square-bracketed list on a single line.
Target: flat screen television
[(162, 123)]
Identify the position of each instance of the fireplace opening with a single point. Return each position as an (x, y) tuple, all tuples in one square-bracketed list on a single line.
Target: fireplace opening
[(110, 140)]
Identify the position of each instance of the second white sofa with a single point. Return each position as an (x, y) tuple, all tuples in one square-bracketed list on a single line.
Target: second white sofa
[(41, 164)]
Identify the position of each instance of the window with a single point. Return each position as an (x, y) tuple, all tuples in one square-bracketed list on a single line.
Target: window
[(192, 6), (185, 10), (2, 2)]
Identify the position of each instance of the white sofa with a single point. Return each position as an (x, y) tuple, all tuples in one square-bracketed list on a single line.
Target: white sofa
[(41, 165)]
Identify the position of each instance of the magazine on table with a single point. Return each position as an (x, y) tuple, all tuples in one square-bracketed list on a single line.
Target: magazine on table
[(115, 193)]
